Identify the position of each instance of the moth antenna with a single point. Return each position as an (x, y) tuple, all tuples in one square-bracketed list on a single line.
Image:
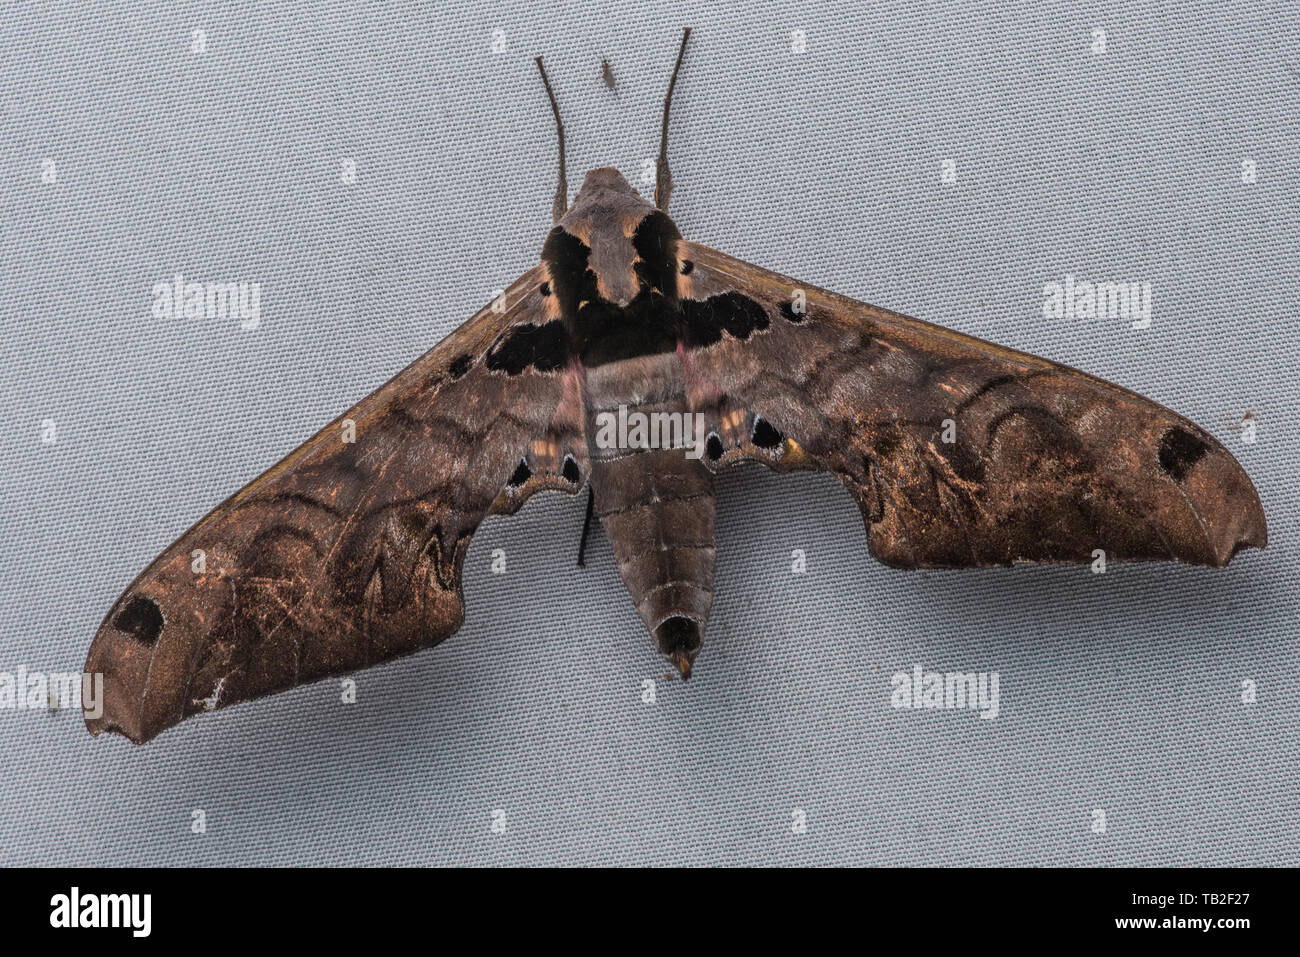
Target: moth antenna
[(561, 204), (663, 178)]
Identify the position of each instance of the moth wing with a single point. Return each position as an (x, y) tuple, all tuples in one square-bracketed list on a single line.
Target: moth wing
[(349, 551), (960, 452)]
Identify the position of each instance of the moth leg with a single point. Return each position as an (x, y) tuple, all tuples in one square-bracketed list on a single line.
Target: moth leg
[(561, 204), (586, 526), (663, 178)]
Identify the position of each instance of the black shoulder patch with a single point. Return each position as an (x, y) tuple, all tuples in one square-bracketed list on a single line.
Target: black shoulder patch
[(571, 281), (655, 242), (545, 348), (703, 322), (1180, 450), (565, 251)]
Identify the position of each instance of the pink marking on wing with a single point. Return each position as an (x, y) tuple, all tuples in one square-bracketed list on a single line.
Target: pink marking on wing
[(699, 391), (570, 411)]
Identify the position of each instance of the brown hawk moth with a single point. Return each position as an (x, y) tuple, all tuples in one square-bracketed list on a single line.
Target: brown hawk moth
[(349, 553)]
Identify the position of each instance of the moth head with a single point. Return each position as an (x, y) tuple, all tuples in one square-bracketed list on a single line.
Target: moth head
[(612, 246), (604, 186)]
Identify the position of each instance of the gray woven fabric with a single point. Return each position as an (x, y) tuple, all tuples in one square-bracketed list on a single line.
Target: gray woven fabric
[(1120, 692)]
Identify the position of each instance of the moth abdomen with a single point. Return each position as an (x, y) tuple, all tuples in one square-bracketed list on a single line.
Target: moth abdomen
[(655, 500)]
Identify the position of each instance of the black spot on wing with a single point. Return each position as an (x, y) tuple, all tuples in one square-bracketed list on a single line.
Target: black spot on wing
[(766, 437), (704, 321), (688, 267), (460, 365), (521, 475), (570, 471), (141, 618), (713, 447), (1180, 450), (788, 311), (545, 348)]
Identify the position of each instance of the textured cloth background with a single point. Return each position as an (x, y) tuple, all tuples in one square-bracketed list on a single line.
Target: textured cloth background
[(1119, 692)]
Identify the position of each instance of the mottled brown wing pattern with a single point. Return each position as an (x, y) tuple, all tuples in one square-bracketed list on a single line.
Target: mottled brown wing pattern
[(959, 452), (349, 551)]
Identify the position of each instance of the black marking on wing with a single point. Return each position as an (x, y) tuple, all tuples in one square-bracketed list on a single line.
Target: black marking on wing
[(141, 618), (645, 326), (300, 498), (704, 321), (460, 365), (1180, 450), (521, 475), (764, 436), (545, 348), (571, 472), (787, 310)]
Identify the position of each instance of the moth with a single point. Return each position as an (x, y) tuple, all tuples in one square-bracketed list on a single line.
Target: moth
[(959, 453), (607, 75)]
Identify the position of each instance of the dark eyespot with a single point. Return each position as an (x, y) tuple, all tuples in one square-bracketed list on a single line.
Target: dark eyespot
[(570, 470), (460, 365), (787, 310), (713, 447), (687, 267), (1180, 450), (521, 474), (766, 437), (141, 618), (545, 289)]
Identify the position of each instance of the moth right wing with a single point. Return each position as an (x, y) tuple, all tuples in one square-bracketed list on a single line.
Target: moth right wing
[(349, 551), (959, 452)]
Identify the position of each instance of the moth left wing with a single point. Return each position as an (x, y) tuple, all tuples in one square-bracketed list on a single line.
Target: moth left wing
[(959, 452), (349, 551)]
